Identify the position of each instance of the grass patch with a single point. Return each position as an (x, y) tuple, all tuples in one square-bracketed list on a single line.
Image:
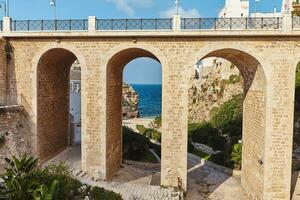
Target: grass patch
[(149, 157), (201, 154)]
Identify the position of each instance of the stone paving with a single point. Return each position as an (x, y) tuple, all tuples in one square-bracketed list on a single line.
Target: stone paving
[(137, 181)]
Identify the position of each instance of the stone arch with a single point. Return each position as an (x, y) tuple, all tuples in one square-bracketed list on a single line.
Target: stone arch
[(254, 115), (35, 62), (114, 77), (51, 70)]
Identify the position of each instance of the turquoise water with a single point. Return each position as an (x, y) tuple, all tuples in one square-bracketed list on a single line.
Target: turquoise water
[(150, 100)]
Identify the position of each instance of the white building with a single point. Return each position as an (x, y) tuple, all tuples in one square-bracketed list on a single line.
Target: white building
[(235, 8), (75, 107)]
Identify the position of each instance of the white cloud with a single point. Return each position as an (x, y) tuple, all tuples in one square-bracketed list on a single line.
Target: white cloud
[(184, 13), (141, 3), (123, 5), (128, 6)]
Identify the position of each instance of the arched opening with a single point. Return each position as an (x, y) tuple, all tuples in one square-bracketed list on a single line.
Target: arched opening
[(126, 138), (233, 112), (58, 107)]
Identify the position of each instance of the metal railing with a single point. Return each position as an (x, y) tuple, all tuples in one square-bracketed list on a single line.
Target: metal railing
[(231, 23), (296, 22), (134, 24), (49, 25)]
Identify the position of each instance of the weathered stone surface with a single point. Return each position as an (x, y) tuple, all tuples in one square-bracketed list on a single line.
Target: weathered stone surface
[(15, 129), (130, 102), (213, 86)]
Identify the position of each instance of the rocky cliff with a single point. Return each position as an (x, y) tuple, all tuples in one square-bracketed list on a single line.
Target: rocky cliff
[(212, 85), (130, 102)]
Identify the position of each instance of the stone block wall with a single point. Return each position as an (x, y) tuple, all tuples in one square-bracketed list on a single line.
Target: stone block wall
[(15, 129), (53, 103), (3, 73)]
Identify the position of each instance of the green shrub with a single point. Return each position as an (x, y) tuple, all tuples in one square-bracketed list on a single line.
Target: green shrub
[(149, 133), (229, 117), (236, 156), (25, 180), (216, 142), (201, 154), (135, 146), (201, 132), (157, 121), (217, 158), (98, 193), (190, 147), (153, 134), (233, 79), (141, 128)]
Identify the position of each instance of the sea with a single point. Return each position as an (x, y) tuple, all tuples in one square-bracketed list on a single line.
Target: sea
[(149, 99)]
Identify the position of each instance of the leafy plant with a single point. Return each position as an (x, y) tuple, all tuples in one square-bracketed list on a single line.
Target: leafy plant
[(217, 158), (236, 156), (201, 132), (229, 117), (98, 193), (16, 186), (141, 128), (233, 79), (216, 142), (25, 180), (157, 121), (43, 192)]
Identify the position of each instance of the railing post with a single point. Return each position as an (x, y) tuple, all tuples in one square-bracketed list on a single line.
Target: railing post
[(92, 21), (55, 24), (287, 23), (70, 24), (286, 11), (176, 23), (6, 24), (215, 20)]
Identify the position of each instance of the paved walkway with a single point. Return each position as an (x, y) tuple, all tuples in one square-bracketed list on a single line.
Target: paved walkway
[(139, 181)]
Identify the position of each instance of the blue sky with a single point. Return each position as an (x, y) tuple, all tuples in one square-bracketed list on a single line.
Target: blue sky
[(141, 70), (40, 9)]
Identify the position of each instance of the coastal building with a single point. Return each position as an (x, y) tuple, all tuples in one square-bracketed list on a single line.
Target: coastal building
[(235, 8), (75, 104)]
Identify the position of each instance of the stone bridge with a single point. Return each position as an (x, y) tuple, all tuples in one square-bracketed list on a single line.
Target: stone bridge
[(36, 57)]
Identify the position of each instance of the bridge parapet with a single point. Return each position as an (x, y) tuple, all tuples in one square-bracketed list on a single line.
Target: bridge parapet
[(156, 26)]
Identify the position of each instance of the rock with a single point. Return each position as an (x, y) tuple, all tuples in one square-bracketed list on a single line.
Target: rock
[(211, 87), (130, 102)]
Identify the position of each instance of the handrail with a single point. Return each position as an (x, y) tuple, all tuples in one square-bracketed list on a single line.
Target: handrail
[(49, 25), (134, 24), (243, 23)]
